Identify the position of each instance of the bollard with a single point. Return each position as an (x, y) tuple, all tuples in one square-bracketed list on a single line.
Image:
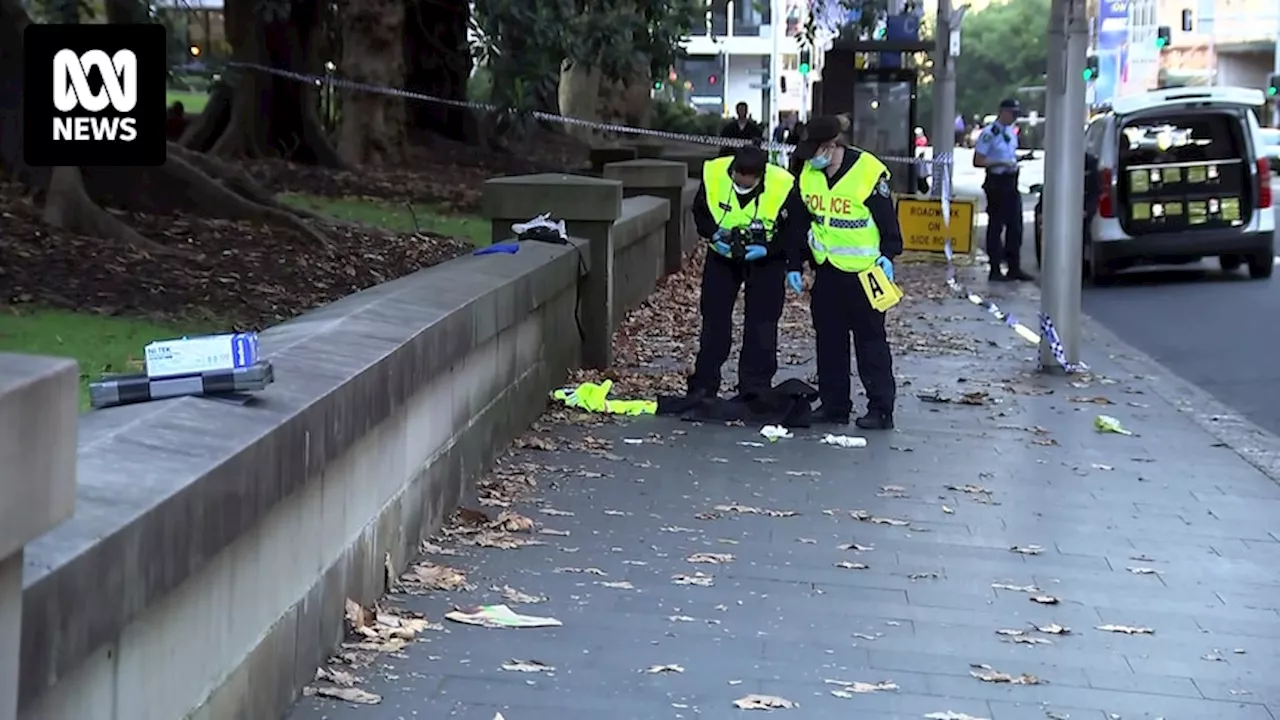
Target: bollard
[(659, 178), (39, 412), (589, 206)]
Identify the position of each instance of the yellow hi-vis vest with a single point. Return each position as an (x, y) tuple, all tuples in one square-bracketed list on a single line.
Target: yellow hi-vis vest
[(723, 202), (843, 232)]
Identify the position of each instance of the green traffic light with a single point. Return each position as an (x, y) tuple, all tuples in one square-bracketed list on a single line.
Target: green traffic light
[(1161, 42), (657, 85), (804, 68), (1088, 75), (1271, 91)]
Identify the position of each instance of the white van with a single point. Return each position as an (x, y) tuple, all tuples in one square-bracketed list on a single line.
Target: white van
[(1182, 175)]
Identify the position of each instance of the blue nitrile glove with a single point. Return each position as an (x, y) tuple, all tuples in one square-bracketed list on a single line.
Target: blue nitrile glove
[(796, 281), (886, 265), (719, 242), (755, 252), (508, 248)]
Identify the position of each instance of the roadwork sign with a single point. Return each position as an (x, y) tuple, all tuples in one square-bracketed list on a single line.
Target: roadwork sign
[(920, 218)]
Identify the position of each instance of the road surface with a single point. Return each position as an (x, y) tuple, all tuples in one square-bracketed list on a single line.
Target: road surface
[(1215, 329)]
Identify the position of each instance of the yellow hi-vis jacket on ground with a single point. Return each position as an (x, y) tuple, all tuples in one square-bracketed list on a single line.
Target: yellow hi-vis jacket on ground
[(842, 232), (723, 200)]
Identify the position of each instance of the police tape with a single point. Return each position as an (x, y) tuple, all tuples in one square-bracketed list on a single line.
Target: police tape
[(334, 81), (942, 163)]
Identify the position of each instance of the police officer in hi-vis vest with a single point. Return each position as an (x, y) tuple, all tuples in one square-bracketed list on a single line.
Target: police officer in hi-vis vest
[(740, 210), (853, 227)]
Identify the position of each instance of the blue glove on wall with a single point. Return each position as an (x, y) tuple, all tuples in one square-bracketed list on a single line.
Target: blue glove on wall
[(796, 281), (886, 265), (755, 252)]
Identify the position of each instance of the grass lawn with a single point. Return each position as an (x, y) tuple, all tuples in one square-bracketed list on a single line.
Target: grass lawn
[(395, 217), (101, 344), (192, 102), (113, 345)]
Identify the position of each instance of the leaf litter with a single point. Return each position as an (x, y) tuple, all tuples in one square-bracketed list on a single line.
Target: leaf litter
[(988, 674), (527, 666), (710, 558), (749, 510), (764, 702), (849, 689), (1126, 629)]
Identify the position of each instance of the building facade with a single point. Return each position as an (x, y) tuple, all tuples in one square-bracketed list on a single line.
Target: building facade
[(1231, 42), (729, 58)]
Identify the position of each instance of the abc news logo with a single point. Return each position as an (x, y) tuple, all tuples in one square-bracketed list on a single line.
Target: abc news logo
[(72, 92), (94, 95)]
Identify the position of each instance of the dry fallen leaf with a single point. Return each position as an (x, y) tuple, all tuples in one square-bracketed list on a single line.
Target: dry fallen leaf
[(764, 702), (949, 715), (1015, 588), (851, 565), (527, 666), (429, 576), (581, 571), (865, 516), (1053, 629), (1144, 571), (947, 510), (710, 558), (659, 669), (1126, 629), (513, 595), (848, 689), (348, 694), (1027, 549), (748, 510), (555, 512), (856, 547), (335, 676), (618, 585), (509, 521), (1045, 599), (698, 579), (986, 673)]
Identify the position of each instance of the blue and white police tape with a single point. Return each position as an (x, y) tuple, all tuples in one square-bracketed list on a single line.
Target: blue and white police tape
[(333, 81), (1048, 333), (941, 163)]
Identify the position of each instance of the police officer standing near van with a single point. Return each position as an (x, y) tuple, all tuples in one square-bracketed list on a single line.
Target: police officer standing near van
[(854, 227), (741, 210), (997, 152)]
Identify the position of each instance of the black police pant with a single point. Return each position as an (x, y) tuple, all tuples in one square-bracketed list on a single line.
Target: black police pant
[(765, 287), (1004, 217), (840, 308)]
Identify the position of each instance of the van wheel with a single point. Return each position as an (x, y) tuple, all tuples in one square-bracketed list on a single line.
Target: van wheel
[(1261, 266), (1230, 263)]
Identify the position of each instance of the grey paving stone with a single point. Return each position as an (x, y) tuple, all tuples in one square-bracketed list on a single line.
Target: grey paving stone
[(782, 619)]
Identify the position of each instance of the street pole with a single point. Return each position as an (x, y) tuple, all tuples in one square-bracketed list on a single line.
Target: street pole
[(944, 94), (1064, 178), (778, 27), (1275, 68)]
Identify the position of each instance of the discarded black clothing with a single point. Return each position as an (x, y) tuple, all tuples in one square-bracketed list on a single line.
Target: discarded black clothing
[(788, 404)]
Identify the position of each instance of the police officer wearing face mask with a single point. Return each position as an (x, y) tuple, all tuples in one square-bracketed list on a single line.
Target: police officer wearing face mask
[(741, 210), (997, 152), (853, 225)]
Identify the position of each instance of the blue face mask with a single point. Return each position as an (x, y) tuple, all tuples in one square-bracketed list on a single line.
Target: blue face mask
[(819, 162)]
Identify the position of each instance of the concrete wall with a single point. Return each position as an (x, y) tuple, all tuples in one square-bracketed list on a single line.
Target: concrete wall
[(213, 546)]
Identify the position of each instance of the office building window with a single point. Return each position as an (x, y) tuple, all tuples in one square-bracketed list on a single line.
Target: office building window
[(790, 61)]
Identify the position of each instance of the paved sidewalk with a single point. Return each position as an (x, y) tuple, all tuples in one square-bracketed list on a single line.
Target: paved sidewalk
[(1167, 530)]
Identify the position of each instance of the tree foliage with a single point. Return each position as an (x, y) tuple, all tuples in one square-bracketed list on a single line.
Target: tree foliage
[(1004, 48), (524, 44)]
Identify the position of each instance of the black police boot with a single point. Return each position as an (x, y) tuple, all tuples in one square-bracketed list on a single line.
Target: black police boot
[(824, 416), (875, 420), (1017, 275), (996, 275)]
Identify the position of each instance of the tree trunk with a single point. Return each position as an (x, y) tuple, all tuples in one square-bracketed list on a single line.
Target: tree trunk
[(372, 130), (266, 115), (73, 196), (579, 96), (438, 63)]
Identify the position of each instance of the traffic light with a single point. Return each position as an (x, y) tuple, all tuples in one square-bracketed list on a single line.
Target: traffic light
[(1091, 68), (1163, 36), (1273, 87), (806, 56), (782, 84), (1186, 20)]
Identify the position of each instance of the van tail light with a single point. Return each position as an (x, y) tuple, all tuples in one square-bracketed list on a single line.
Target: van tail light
[(1106, 203), (1264, 183)]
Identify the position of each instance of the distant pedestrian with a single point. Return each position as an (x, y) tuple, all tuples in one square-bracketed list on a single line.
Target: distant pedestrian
[(741, 128)]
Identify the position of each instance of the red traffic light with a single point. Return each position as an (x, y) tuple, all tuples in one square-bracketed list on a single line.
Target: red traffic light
[(713, 79)]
